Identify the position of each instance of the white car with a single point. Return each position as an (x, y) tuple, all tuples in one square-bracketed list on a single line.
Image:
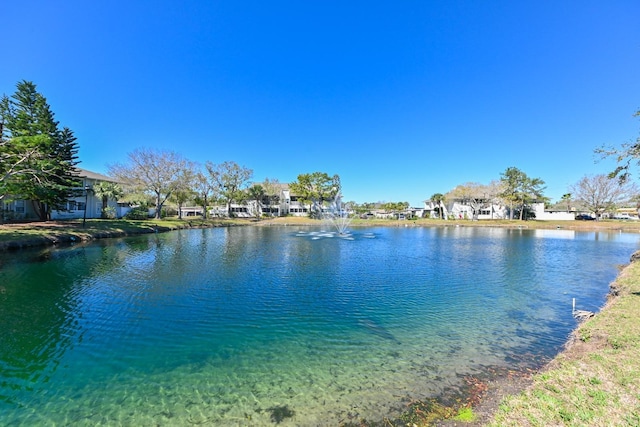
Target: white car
[(625, 217)]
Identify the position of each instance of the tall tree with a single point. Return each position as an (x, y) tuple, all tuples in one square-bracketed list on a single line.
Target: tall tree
[(230, 180), (520, 190), (256, 193), (156, 172), (205, 191), (627, 154), (38, 158), (272, 189), (601, 193), (184, 188), (315, 189), (567, 198), (438, 200)]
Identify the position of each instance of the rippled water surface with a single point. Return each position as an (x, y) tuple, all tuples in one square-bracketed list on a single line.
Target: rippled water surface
[(258, 325)]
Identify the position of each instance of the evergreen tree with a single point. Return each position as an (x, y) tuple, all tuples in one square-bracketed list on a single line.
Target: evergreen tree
[(316, 188), (39, 159)]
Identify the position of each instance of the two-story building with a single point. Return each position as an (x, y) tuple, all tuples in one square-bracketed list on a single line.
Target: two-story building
[(82, 204)]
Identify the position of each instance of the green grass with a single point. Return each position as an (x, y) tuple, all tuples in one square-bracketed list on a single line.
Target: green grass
[(596, 380), (52, 232)]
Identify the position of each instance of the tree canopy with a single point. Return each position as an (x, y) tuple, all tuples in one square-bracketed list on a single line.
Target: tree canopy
[(520, 190), (37, 158), (230, 181), (315, 189)]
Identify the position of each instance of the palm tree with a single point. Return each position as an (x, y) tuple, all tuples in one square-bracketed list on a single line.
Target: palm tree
[(256, 192), (107, 190), (438, 199)]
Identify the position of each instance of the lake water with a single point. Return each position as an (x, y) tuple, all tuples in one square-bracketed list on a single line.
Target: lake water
[(258, 325)]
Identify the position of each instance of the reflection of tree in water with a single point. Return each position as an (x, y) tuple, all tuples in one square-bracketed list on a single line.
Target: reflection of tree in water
[(38, 311)]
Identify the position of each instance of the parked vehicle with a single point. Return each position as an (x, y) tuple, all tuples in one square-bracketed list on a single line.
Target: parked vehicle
[(625, 217), (584, 217)]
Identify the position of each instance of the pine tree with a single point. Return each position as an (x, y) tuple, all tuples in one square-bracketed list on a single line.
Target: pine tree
[(39, 159)]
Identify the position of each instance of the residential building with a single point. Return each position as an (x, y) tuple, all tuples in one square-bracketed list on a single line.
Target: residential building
[(82, 204)]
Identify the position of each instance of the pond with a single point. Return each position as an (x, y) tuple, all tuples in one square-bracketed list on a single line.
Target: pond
[(288, 325)]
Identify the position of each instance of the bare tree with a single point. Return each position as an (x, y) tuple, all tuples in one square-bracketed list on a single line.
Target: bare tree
[(626, 155), (184, 188), (205, 191), (230, 180), (156, 172), (473, 194), (601, 193)]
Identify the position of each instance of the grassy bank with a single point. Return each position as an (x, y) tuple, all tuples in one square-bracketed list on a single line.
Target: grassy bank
[(16, 236), (596, 380), (605, 225)]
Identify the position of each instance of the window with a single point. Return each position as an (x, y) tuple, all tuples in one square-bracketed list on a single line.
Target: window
[(19, 206), (81, 206)]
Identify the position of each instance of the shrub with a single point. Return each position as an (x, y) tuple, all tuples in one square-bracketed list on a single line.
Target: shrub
[(138, 213), (109, 212)]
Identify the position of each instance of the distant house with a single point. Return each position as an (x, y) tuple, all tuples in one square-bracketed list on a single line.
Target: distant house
[(463, 209), (490, 209), (551, 215), (285, 203), (83, 204)]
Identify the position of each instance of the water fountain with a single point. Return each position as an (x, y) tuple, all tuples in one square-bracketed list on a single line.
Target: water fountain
[(337, 215)]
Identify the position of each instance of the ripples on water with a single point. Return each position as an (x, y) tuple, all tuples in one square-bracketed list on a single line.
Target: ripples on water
[(221, 326)]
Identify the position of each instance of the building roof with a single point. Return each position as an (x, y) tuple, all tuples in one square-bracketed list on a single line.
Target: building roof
[(83, 173)]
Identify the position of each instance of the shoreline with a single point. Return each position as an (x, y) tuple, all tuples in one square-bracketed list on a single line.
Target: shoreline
[(18, 236)]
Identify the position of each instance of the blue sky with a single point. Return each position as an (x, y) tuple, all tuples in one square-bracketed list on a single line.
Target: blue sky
[(401, 99)]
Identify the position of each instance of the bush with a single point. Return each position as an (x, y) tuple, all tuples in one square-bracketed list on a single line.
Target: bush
[(109, 212), (137, 213)]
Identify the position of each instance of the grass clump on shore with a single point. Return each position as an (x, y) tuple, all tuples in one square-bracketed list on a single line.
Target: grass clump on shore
[(596, 380)]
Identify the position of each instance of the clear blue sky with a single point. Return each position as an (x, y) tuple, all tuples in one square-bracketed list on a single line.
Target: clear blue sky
[(401, 99)]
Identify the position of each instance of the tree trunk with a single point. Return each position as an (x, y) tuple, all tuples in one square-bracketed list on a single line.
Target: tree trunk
[(41, 211), (158, 206), (105, 201)]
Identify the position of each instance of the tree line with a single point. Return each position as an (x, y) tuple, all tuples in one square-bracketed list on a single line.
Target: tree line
[(38, 162)]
